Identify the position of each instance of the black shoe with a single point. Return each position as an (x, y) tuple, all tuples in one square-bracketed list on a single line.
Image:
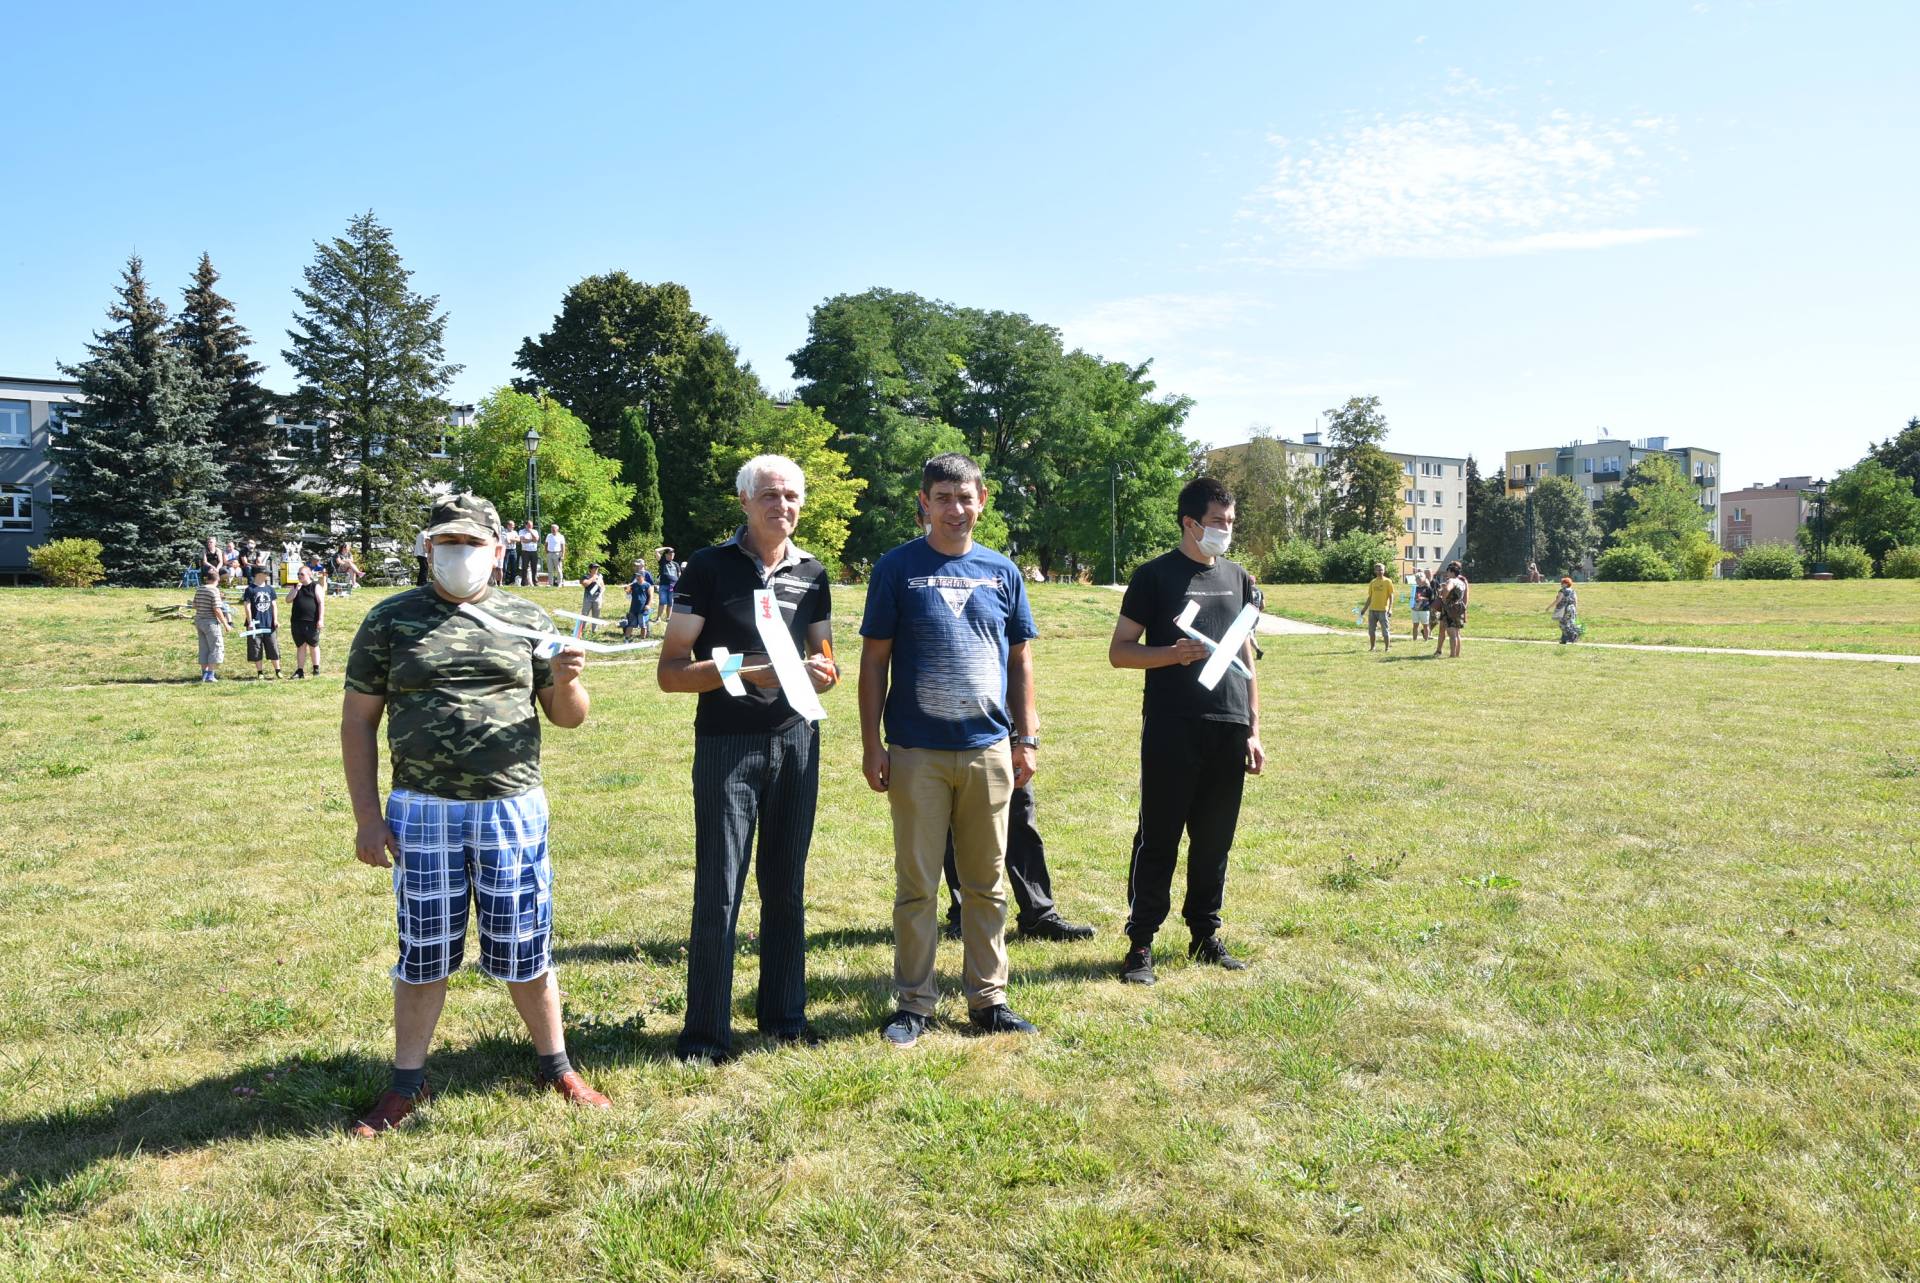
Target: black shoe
[(804, 1036), (999, 1020), (952, 929), (904, 1028), (1137, 967), (1214, 954), (697, 1057), (1055, 927)]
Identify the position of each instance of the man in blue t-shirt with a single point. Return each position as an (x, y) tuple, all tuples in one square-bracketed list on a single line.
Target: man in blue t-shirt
[(946, 657)]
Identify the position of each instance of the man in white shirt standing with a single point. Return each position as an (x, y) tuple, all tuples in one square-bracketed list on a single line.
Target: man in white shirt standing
[(529, 553), (556, 554)]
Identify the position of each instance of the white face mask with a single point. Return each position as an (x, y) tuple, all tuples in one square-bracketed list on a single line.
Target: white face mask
[(462, 569), (1214, 542)]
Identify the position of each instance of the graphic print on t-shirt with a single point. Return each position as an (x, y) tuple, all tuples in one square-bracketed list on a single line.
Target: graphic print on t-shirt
[(955, 590), (958, 683)]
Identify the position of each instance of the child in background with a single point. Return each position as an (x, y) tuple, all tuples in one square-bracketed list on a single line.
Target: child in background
[(592, 589), (639, 604), (257, 602), (209, 618)]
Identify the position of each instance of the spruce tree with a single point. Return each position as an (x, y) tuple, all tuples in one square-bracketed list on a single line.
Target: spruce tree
[(369, 355), (639, 468), (136, 465), (256, 495)]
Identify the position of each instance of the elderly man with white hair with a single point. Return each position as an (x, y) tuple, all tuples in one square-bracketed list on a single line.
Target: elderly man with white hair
[(756, 761)]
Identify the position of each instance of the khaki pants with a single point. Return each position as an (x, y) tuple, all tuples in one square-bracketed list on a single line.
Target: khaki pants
[(932, 791)]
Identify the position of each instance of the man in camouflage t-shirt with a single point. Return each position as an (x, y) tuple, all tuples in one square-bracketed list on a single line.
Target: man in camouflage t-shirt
[(465, 822)]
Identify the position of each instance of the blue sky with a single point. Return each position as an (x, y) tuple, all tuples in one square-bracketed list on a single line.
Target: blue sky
[(1516, 224)]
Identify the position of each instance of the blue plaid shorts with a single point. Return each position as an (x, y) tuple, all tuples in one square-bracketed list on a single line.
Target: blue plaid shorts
[(490, 854)]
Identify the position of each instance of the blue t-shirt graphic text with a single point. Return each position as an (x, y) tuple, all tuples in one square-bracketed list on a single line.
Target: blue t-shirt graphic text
[(951, 621)]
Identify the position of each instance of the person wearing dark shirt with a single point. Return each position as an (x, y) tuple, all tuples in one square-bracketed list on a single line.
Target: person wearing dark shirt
[(639, 604), (257, 599), (307, 609), (946, 663), (1197, 746), (756, 761)]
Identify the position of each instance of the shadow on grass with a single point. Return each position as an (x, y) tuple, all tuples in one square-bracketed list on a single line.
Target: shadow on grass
[(673, 952), (156, 681), (45, 1158)]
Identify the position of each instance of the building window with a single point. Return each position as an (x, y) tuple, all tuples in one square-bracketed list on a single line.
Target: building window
[(14, 424), (1459, 498), (1420, 496), (1462, 529), (1407, 467), (1409, 525), (1409, 552), (1586, 465), (60, 418), (1438, 498), (1459, 470), (1409, 496), (16, 508)]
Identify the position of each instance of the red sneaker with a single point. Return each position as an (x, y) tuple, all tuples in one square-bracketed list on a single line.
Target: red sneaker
[(574, 1088), (388, 1113)]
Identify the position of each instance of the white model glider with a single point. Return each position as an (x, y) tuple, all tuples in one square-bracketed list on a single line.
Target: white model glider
[(589, 620), (1226, 651), (550, 644), (730, 670), (795, 684)]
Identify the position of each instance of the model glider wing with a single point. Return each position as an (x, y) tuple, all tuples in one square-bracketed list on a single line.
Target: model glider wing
[(729, 665), (548, 644), (795, 684)]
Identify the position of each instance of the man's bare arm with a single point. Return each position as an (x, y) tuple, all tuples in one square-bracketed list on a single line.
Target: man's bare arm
[(360, 754)]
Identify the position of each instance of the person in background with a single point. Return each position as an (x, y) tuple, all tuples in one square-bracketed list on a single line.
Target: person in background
[(230, 564), (665, 583), (210, 623), (499, 562), (420, 559), (343, 569), (1566, 609), (1027, 874), (639, 604), (556, 556), (1422, 606), (1380, 607), (1450, 605), (258, 600), (529, 540), (306, 609), (592, 589)]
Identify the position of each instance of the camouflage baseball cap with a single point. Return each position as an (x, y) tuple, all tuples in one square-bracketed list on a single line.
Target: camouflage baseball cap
[(464, 514)]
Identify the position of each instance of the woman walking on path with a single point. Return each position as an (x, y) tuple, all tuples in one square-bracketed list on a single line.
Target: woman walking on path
[(1450, 610), (1566, 609)]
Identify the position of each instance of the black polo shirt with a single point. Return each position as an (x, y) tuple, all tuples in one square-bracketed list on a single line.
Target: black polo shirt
[(718, 584), (1158, 592)]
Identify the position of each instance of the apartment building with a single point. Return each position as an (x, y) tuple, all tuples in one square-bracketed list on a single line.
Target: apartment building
[(1600, 467), (1432, 520), (31, 414), (1766, 514)]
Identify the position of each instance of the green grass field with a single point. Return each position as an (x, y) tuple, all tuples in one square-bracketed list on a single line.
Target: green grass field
[(1874, 616), (1568, 964)]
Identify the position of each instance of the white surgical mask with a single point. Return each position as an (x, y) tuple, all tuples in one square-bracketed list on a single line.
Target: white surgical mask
[(1214, 541), (462, 569)]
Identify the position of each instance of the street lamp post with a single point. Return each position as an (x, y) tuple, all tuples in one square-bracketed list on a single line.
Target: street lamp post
[(1819, 490), (533, 477), (1113, 518)]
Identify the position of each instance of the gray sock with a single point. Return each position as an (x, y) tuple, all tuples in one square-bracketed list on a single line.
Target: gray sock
[(551, 1067), (408, 1082)]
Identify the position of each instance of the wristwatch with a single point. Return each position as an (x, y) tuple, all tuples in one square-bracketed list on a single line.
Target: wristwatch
[(1026, 741)]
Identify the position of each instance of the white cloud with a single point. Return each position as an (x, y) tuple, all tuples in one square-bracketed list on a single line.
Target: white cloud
[(1149, 322), (1468, 180)]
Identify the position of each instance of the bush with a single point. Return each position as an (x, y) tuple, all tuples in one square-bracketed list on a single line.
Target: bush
[(1770, 561), (1901, 563), (1696, 557), (1849, 561), (637, 546), (1349, 559), (1632, 563), (68, 563), (1294, 562)]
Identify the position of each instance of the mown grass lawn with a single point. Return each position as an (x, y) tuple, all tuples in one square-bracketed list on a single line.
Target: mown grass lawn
[(1568, 964), (1865, 615)]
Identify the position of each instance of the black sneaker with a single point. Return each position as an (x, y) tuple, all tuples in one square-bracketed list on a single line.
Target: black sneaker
[(1137, 967), (804, 1036), (904, 1029), (1214, 954), (1055, 927), (999, 1020), (952, 929)]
